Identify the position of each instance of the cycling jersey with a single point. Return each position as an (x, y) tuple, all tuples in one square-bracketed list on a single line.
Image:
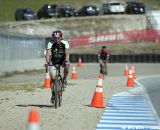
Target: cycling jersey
[(58, 51), (49, 46), (103, 55)]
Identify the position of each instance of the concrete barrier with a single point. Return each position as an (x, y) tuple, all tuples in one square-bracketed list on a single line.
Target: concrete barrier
[(20, 65)]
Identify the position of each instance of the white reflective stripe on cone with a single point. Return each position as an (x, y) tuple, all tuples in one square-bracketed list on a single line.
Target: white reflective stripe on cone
[(99, 89), (33, 126), (100, 82), (130, 72), (126, 67), (130, 76)]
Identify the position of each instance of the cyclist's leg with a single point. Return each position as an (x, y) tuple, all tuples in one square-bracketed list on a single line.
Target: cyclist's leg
[(52, 71), (101, 67), (66, 70), (106, 67)]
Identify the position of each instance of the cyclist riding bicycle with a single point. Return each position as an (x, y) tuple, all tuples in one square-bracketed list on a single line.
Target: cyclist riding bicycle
[(57, 53), (103, 57)]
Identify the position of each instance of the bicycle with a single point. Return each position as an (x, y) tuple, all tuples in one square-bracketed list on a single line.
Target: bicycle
[(58, 86), (104, 68)]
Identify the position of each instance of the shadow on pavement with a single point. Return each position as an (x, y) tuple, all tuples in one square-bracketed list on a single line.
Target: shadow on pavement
[(33, 105)]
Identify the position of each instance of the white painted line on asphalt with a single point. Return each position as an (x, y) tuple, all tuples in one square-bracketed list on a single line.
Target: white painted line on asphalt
[(128, 121), (124, 108), (127, 111), (128, 118), (123, 125), (126, 114), (131, 105), (127, 103)]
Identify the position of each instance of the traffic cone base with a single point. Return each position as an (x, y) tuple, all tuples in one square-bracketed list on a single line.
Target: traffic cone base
[(130, 81), (74, 75), (33, 120), (79, 64), (126, 71), (97, 100), (33, 127)]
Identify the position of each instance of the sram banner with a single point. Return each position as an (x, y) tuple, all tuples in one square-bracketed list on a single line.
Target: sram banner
[(116, 37), (106, 38)]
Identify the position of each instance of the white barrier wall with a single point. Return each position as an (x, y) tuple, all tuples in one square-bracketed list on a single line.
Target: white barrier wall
[(21, 65), (154, 19), (20, 52)]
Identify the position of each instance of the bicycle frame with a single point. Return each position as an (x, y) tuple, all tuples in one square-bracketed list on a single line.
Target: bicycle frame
[(58, 85), (104, 68)]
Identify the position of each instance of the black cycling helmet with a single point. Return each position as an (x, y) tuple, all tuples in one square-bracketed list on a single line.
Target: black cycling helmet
[(104, 47), (56, 34)]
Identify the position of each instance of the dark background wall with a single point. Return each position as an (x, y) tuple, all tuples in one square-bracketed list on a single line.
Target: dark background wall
[(139, 58)]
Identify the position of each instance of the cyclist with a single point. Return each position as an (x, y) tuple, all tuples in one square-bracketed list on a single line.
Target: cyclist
[(57, 52), (103, 57)]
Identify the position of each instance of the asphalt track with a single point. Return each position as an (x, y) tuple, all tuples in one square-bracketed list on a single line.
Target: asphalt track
[(88, 71), (152, 86), (80, 93)]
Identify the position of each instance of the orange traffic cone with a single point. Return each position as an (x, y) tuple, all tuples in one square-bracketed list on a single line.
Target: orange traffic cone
[(74, 75), (133, 72), (79, 64), (47, 81), (126, 71), (33, 120), (130, 81), (97, 100)]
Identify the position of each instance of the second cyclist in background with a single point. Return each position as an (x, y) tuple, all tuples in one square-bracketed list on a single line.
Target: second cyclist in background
[(103, 59)]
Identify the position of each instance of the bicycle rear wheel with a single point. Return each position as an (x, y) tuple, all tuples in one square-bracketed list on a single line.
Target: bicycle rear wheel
[(62, 84)]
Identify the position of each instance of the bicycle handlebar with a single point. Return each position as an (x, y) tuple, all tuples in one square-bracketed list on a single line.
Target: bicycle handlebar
[(56, 66)]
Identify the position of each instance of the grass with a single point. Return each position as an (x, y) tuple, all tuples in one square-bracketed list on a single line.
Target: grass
[(8, 7), (24, 87), (10, 74), (20, 87)]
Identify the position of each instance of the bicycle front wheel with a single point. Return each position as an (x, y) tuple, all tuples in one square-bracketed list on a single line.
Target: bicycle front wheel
[(57, 92)]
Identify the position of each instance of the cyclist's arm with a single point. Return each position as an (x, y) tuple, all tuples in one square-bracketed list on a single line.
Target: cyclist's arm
[(48, 53), (99, 59), (67, 54), (48, 56), (107, 57)]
